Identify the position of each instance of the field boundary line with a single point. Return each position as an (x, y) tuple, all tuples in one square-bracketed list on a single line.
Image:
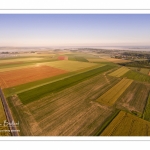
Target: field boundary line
[(8, 114), (3, 82)]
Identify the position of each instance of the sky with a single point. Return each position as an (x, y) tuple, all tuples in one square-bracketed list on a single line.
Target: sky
[(46, 30)]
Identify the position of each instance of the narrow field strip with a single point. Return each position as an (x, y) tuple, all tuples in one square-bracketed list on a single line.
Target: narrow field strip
[(111, 96), (125, 124), (96, 60), (146, 114), (119, 72), (37, 93)]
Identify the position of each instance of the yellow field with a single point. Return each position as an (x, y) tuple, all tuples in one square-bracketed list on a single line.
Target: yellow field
[(97, 60), (20, 60), (119, 72), (71, 65), (21, 67), (63, 64), (126, 124), (111, 96), (114, 60)]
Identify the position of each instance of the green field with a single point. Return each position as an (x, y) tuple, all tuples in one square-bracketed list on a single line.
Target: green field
[(76, 58), (146, 114), (141, 70), (137, 76), (125, 124), (111, 96), (119, 72), (37, 93)]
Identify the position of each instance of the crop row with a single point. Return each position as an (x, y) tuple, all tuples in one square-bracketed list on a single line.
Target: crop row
[(111, 96), (121, 71)]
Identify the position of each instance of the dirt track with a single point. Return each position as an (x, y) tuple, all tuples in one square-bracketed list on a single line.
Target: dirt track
[(8, 114)]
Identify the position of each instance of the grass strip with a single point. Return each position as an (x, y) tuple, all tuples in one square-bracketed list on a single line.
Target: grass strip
[(146, 114)]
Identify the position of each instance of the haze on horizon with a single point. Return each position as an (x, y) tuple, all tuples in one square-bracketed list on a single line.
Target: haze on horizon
[(25, 30)]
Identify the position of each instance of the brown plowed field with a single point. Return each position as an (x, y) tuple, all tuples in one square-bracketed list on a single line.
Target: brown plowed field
[(21, 76)]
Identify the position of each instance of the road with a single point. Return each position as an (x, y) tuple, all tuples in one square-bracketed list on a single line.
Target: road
[(8, 114)]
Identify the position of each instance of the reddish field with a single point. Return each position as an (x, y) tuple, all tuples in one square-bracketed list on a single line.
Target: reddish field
[(21, 76), (62, 58)]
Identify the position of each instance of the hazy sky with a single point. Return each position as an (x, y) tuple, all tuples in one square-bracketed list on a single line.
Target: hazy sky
[(74, 30)]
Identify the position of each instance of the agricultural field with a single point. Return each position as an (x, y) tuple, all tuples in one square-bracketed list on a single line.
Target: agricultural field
[(119, 72), (111, 96), (115, 60), (97, 60), (65, 112), (137, 76), (141, 70), (71, 65), (134, 98), (21, 76), (144, 71), (77, 58), (125, 124), (62, 57), (73, 56), (23, 64)]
